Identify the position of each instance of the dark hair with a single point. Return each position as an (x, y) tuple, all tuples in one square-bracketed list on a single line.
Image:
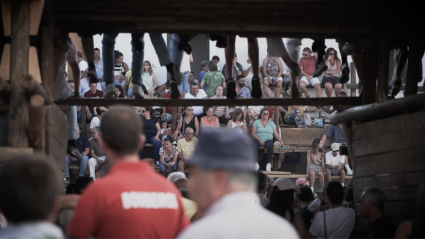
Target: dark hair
[(193, 84), (307, 49), (239, 77), (261, 112), (216, 58), (329, 51), (262, 180), (82, 183), (151, 111), (206, 108), (236, 55), (335, 192), (315, 146), (342, 93), (236, 113), (92, 82), (163, 121), (150, 67), (29, 186), (281, 202), (119, 87), (305, 194), (212, 66), (117, 55), (168, 138), (72, 81), (287, 85), (145, 91), (121, 138), (192, 72), (98, 111), (96, 49)]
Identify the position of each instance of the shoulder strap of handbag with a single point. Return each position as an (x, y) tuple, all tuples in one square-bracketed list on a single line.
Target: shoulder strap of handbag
[(324, 221), (212, 78)]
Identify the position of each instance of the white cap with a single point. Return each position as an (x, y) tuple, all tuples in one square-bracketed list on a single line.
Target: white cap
[(335, 146), (173, 177), (284, 184)]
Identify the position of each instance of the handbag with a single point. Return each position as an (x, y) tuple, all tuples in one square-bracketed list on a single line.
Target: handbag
[(336, 75)]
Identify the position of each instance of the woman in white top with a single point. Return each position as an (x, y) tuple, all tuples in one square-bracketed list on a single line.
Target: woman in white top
[(149, 78), (331, 76), (238, 121), (95, 122)]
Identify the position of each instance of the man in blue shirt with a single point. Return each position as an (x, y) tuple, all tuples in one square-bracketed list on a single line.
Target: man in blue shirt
[(83, 146), (98, 64)]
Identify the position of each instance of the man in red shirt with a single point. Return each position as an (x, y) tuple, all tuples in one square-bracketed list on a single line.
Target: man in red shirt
[(132, 201), (92, 93), (167, 113), (308, 66)]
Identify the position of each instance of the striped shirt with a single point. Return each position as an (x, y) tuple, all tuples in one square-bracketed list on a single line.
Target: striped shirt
[(220, 110)]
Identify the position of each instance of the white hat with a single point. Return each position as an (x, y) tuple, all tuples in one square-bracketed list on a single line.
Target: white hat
[(335, 147), (173, 177), (284, 184)]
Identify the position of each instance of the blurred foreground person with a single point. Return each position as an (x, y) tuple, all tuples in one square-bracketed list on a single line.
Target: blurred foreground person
[(223, 184)]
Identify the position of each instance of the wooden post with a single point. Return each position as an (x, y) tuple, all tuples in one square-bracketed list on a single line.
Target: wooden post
[(83, 120), (383, 65), (370, 64), (416, 52), (276, 113), (18, 114), (47, 58), (353, 78), (36, 126), (174, 118)]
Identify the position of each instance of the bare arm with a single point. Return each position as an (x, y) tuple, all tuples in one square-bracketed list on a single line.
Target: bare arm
[(202, 122), (277, 136), (327, 109), (196, 126), (304, 74), (155, 83), (175, 158), (323, 162), (246, 72), (125, 67), (308, 162), (190, 58), (253, 133), (161, 89), (264, 68), (404, 230), (89, 115), (338, 68), (93, 155), (324, 139), (158, 129), (86, 151), (217, 124), (279, 62)]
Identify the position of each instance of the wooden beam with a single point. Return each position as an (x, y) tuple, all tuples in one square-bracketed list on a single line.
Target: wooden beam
[(6, 14), (353, 79), (358, 64), (174, 118), (8, 152), (416, 52), (32, 87), (37, 124), (5, 63), (33, 66), (47, 59), (36, 11), (382, 110), (370, 65), (383, 71), (18, 114)]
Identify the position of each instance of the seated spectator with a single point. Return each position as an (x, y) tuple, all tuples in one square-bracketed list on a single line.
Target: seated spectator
[(282, 201), (302, 182), (85, 86), (191, 79), (304, 198), (149, 78), (79, 157), (339, 220), (209, 120), (335, 163), (414, 228), (267, 93), (263, 131), (272, 71), (222, 112), (168, 156), (188, 121), (119, 80), (316, 163), (373, 203), (242, 91), (167, 111), (97, 119), (332, 74), (295, 114), (196, 93), (253, 112), (151, 130), (96, 153), (238, 121), (119, 92), (92, 93), (212, 79), (308, 66), (30, 192), (186, 147), (165, 131), (262, 188)]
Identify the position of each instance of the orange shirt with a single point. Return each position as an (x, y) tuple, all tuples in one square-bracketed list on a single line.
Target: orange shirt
[(132, 201)]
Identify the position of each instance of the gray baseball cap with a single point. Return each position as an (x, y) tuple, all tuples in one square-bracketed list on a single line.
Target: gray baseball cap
[(224, 149)]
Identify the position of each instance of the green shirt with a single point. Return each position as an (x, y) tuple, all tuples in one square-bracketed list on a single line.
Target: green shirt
[(218, 80), (94, 146), (265, 133)]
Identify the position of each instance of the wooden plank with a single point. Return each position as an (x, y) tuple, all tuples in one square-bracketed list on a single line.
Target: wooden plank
[(47, 58), (56, 135), (357, 57), (37, 124), (5, 63), (353, 78), (6, 13), (9, 152), (33, 66), (36, 11), (174, 118), (383, 70), (295, 136), (18, 114), (347, 177), (370, 65), (389, 125), (276, 173), (416, 52), (56, 152), (390, 180)]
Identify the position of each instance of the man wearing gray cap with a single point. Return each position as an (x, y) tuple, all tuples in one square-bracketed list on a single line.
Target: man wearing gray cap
[(223, 184)]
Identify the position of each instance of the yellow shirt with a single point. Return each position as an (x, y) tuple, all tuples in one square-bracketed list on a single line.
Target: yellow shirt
[(187, 148), (128, 75), (291, 108), (190, 208)]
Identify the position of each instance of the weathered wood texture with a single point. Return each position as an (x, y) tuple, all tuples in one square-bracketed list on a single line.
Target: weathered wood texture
[(6, 10), (9, 152), (368, 83), (416, 52), (383, 71), (37, 124), (56, 135), (47, 57), (33, 87), (18, 114), (302, 136), (5, 63)]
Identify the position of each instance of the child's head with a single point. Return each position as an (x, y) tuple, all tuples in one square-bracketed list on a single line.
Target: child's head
[(164, 124), (29, 188)]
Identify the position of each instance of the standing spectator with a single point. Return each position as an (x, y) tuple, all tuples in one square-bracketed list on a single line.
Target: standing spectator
[(209, 120), (316, 163), (204, 69), (282, 201), (167, 111), (267, 93), (373, 203), (98, 64), (185, 71), (237, 68), (149, 78), (241, 90), (97, 119), (119, 92), (151, 130), (414, 228), (80, 158), (223, 184), (304, 198), (212, 79), (337, 221), (238, 121), (332, 74), (272, 71), (82, 64), (262, 188), (141, 208), (263, 131), (188, 121), (186, 147), (335, 163), (96, 153), (30, 194), (120, 66), (168, 156), (222, 112), (196, 93), (92, 93), (216, 60), (336, 133), (308, 65)]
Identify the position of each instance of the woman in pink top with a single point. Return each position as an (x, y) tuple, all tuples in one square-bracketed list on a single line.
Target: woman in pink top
[(332, 75), (209, 120)]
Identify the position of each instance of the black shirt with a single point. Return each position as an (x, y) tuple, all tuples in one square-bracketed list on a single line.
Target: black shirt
[(307, 216), (149, 128), (382, 227)]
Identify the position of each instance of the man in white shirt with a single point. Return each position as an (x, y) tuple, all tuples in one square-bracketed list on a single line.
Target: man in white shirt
[(196, 93), (335, 163), (339, 220), (82, 64), (223, 184)]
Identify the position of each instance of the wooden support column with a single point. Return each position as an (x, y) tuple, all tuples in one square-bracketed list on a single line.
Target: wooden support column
[(174, 118), (370, 65), (6, 13), (353, 79), (276, 113), (37, 124), (416, 52), (47, 59), (383, 71), (18, 114)]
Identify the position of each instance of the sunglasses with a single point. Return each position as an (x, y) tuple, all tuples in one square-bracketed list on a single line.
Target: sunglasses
[(304, 54), (189, 109), (332, 54)]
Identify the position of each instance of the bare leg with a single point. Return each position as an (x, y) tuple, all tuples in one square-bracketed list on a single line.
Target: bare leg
[(230, 55), (329, 174), (342, 175), (318, 90), (312, 178), (338, 88), (322, 179), (279, 88), (303, 86), (328, 89), (180, 166)]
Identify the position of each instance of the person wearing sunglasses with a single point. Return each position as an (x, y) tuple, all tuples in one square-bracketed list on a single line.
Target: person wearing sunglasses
[(263, 131), (332, 75), (335, 163), (188, 121), (307, 65)]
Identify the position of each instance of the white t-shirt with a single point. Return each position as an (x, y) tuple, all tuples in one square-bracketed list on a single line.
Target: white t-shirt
[(83, 66), (339, 223), (197, 110), (95, 122), (185, 66), (250, 74), (333, 161)]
